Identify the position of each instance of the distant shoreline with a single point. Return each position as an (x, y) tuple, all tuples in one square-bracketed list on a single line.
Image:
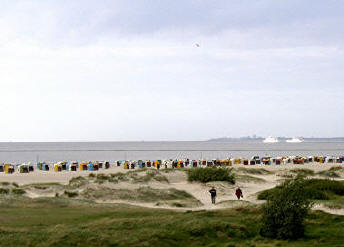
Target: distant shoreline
[(281, 139)]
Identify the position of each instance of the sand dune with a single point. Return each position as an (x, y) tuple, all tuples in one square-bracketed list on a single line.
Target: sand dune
[(249, 178)]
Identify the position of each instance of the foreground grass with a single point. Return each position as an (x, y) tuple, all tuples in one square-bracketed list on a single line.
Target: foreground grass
[(68, 222)]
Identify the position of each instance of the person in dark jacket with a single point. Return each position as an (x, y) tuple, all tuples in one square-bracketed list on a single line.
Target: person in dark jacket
[(238, 193), (213, 195)]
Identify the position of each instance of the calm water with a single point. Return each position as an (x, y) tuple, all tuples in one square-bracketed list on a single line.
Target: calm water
[(80, 151)]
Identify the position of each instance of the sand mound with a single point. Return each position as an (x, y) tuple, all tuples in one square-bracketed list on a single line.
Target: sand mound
[(162, 189)]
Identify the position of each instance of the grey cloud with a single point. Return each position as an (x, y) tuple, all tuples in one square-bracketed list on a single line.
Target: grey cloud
[(82, 22)]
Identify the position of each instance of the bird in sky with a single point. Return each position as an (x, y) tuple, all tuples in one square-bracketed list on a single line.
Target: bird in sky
[(197, 45)]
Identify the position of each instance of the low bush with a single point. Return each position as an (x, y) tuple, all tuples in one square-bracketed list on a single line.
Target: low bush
[(4, 191), (284, 212), (71, 193), (18, 191), (208, 174), (317, 189)]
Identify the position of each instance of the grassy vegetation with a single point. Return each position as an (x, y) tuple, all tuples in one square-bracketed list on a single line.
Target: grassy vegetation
[(317, 189), (143, 194), (4, 191), (18, 191), (69, 222), (40, 184), (15, 184), (284, 212), (254, 171), (148, 176), (71, 193), (249, 179), (303, 172), (334, 203), (78, 182), (333, 172), (136, 176), (205, 175)]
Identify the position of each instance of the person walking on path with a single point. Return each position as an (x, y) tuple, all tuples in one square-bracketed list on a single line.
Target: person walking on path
[(238, 193), (213, 195)]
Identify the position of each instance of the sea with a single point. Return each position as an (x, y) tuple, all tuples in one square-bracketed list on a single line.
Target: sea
[(19, 152)]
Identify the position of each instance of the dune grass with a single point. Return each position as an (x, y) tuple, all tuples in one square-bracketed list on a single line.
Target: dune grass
[(333, 172), (303, 172), (143, 194), (135, 176), (60, 222), (254, 171), (150, 175), (249, 179)]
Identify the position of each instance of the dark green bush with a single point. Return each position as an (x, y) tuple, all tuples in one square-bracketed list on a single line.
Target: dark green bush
[(18, 191), (317, 189), (285, 211), (208, 174), (4, 191), (71, 193)]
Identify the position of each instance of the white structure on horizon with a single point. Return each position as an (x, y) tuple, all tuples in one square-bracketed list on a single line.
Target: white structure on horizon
[(295, 140), (270, 139)]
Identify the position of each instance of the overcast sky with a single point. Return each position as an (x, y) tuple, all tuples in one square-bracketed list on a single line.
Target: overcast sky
[(131, 70)]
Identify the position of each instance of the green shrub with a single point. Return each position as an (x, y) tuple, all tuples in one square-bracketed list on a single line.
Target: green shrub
[(71, 193), (285, 211), (317, 189), (208, 174), (4, 191), (18, 191), (15, 184)]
